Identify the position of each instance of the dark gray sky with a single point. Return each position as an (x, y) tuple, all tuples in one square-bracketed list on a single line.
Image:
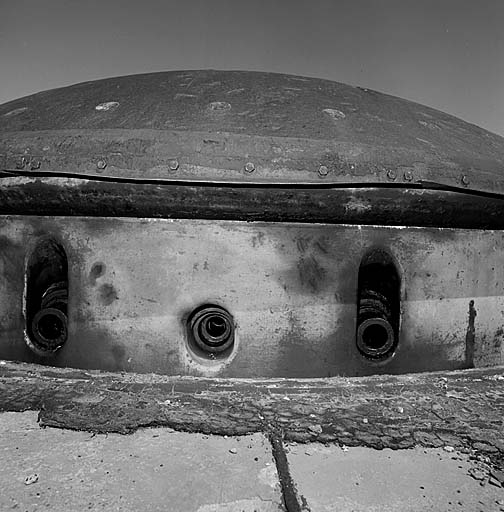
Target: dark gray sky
[(448, 54)]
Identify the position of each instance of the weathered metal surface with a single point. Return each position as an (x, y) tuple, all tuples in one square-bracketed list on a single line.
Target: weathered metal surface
[(362, 206), (245, 127), (462, 409), (150, 184), (290, 288)]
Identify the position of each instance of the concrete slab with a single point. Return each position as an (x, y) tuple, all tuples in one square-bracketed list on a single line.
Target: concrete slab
[(152, 469), (358, 479)]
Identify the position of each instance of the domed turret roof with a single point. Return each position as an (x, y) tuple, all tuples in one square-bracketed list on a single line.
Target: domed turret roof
[(238, 126)]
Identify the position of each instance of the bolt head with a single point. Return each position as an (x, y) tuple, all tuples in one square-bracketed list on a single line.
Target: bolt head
[(464, 180), (391, 174), (249, 167), (21, 163), (34, 165), (408, 175), (323, 170), (174, 165), (101, 164)]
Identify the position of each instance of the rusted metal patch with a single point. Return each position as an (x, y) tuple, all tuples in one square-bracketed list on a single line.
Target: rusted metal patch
[(290, 289), (462, 409)]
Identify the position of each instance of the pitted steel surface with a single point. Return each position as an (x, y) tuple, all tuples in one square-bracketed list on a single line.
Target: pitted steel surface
[(217, 124)]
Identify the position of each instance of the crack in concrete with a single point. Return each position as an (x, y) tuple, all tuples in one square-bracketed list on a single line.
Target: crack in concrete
[(289, 493), (462, 409)]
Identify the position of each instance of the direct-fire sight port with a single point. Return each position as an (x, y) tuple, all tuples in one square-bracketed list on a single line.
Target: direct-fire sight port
[(378, 311), (46, 297), (211, 329)]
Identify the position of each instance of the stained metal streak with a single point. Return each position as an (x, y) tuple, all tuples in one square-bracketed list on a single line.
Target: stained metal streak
[(311, 203)]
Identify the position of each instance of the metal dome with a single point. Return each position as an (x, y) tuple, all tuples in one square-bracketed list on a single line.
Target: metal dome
[(208, 125)]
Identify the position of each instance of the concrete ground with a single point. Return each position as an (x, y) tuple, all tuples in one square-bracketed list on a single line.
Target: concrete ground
[(157, 469), (361, 479), (150, 470)]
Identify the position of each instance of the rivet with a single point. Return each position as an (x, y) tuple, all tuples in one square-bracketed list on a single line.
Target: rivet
[(34, 165), (174, 165), (249, 167), (323, 170), (101, 164), (391, 174), (408, 175), (464, 180), (21, 163)]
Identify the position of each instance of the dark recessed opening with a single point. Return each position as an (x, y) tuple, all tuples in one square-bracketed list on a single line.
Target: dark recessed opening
[(378, 308), (375, 336), (216, 326), (50, 327), (46, 297), (211, 331)]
